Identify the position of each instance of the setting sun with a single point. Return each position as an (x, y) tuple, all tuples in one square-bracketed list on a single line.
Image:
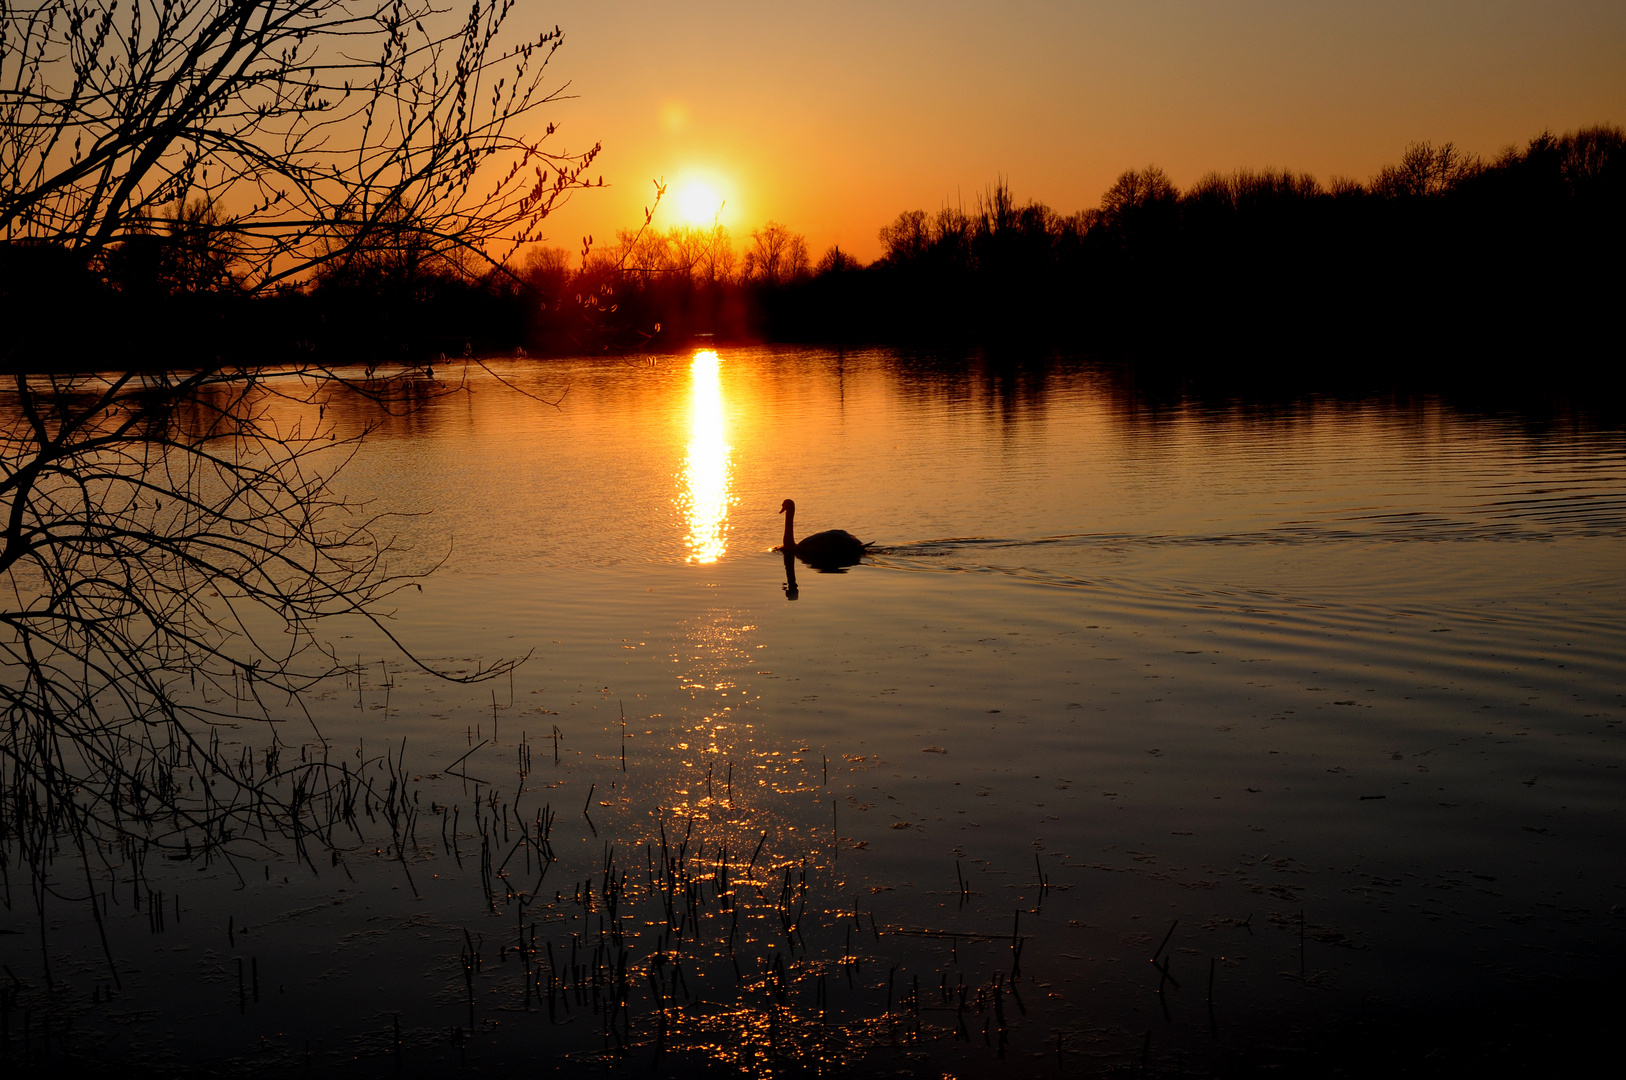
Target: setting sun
[(698, 203)]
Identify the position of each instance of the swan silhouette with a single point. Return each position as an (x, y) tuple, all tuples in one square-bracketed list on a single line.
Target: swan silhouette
[(834, 548)]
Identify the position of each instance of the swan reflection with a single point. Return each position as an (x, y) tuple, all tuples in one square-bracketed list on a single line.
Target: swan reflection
[(790, 577), (705, 498)]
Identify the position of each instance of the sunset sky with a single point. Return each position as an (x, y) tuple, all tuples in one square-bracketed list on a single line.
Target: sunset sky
[(833, 117)]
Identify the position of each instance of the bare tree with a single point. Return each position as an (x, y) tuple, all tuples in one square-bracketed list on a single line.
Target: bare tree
[(546, 271), (1138, 191), (776, 256), (907, 238), (690, 249), (189, 252), (172, 542), (717, 263), (644, 254), (836, 261), (1426, 170), (392, 252), (305, 127)]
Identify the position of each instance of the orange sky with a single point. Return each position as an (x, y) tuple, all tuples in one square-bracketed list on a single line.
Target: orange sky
[(833, 117)]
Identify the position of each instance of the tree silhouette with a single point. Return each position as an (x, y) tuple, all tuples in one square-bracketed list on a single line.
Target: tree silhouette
[(304, 129), (776, 256), (1425, 171), (836, 261), (171, 542), (907, 238)]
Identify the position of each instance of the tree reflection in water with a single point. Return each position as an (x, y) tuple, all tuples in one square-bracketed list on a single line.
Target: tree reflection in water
[(172, 545)]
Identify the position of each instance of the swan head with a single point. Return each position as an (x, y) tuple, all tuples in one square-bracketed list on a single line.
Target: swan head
[(787, 507)]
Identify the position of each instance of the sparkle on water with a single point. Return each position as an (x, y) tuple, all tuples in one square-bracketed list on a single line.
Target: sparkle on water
[(705, 496)]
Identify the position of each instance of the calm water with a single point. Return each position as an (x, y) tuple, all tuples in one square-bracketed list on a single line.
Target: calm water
[(1333, 689)]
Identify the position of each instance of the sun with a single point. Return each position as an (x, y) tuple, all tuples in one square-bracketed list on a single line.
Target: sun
[(698, 203)]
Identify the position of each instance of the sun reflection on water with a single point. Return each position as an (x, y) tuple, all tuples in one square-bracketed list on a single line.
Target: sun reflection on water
[(705, 498)]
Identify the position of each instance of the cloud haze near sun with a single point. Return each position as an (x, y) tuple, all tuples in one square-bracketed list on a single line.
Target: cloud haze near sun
[(832, 118)]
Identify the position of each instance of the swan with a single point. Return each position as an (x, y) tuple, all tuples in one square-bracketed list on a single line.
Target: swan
[(837, 547)]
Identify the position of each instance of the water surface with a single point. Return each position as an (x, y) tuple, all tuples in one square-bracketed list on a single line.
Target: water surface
[(1332, 688)]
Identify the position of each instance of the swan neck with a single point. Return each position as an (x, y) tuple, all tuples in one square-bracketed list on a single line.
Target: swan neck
[(790, 529)]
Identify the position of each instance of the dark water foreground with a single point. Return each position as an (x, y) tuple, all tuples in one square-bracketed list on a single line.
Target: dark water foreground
[(1168, 736)]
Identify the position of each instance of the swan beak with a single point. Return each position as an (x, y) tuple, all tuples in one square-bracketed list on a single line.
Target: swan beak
[(781, 509)]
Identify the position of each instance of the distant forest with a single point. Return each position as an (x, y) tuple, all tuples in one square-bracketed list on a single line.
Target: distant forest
[(1441, 259)]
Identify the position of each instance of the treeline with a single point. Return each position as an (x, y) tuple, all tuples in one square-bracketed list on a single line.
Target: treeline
[(1443, 257)]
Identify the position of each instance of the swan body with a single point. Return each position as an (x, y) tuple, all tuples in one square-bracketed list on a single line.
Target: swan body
[(835, 547)]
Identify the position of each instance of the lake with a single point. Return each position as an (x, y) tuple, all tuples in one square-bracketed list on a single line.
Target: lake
[(1153, 731)]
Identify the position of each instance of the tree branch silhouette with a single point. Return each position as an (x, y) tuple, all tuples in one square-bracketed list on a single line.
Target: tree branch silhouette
[(306, 128)]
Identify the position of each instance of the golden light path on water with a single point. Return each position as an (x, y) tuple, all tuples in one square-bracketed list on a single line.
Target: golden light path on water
[(705, 498)]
